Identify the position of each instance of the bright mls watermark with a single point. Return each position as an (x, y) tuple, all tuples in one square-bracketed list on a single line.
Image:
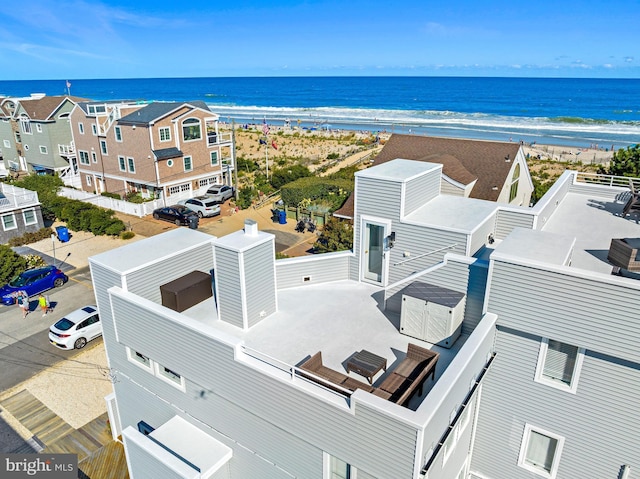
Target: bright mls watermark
[(48, 466)]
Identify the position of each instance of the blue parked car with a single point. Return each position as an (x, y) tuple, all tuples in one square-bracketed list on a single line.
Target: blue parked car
[(33, 281)]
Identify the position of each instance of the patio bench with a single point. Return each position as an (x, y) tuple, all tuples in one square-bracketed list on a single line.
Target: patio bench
[(409, 376), (331, 376), (623, 253)]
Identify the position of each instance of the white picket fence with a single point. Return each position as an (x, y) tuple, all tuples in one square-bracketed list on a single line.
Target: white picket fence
[(134, 209)]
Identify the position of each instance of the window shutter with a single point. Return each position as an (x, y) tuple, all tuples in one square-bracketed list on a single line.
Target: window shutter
[(560, 361), (541, 450)]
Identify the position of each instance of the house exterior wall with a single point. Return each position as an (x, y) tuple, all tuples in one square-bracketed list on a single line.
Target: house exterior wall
[(586, 310), (507, 219), (448, 188), (480, 236), (597, 423), (525, 185), (364, 435), (260, 281), (21, 227), (308, 270), (229, 286), (421, 189)]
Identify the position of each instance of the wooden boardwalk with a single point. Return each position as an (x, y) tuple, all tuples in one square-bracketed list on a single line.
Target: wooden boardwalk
[(99, 456)]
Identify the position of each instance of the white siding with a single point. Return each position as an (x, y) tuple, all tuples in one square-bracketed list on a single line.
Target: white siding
[(420, 190), (589, 312), (447, 188), (146, 281), (324, 268), (259, 277), (233, 394), (480, 237), (229, 286), (599, 422), (508, 219)]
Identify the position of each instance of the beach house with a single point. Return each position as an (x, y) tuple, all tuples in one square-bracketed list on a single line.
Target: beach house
[(20, 212), (486, 170), (35, 133), (168, 150), (461, 338)]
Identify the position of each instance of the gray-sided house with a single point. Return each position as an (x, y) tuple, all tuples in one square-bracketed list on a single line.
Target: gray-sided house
[(20, 212), (486, 170), (461, 338), (35, 133)]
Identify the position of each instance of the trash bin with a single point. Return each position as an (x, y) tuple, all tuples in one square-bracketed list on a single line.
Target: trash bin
[(282, 217), (63, 233), (193, 222)]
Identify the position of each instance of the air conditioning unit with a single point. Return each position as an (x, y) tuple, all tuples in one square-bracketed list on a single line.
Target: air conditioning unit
[(432, 313)]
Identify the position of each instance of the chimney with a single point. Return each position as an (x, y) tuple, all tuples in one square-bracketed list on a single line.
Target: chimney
[(245, 272)]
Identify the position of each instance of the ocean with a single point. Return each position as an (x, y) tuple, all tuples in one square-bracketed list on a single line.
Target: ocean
[(557, 111)]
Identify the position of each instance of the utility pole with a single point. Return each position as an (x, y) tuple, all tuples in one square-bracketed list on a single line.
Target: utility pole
[(233, 157)]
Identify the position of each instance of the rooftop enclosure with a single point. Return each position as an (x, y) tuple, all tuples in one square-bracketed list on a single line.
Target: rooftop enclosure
[(235, 356)]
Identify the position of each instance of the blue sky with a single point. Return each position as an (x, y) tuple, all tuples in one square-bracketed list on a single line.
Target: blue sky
[(46, 39)]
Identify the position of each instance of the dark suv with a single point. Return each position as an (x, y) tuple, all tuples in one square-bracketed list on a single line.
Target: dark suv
[(178, 214)]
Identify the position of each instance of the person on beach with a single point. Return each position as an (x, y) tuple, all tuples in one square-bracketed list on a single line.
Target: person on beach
[(44, 304)]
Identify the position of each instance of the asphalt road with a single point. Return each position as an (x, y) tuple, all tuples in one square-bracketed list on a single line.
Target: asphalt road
[(24, 343)]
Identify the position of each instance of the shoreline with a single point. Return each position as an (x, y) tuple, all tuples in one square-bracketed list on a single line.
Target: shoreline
[(317, 148)]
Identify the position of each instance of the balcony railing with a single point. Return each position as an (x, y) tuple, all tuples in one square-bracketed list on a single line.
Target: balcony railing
[(67, 150), (218, 138)]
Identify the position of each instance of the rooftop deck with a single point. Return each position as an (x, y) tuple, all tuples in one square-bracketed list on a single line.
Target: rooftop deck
[(593, 222), (338, 319)]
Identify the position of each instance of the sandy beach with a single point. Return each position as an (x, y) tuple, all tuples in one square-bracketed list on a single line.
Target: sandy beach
[(311, 147)]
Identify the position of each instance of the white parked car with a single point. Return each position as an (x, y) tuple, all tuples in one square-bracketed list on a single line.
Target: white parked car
[(203, 205), (220, 193), (76, 328)]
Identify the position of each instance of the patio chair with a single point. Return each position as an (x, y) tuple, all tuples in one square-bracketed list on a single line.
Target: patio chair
[(623, 254)]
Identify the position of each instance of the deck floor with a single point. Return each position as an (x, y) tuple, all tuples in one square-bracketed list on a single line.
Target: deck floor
[(99, 456)]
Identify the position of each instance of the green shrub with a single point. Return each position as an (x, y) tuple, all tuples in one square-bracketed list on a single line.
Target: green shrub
[(333, 156), (312, 188), (115, 196), (31, 237), (337, 235), (125, 235), (282, 176), (11, 263), (246, 196)]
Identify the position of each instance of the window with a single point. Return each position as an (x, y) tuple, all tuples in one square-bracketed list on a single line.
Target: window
[(559, 365), (139, 359), (191, 129), (43, 149), (214, 158), (169, 163), (89, 180), (169, 376), (25, 124), (540, 451), (103, 147), (38, 127), (81, 128), (336, 468), (122, 164), (9, 222), (132, 166), (84, 157), (187, 163), (514, 183), (7, 144), (94, 129), (118, 133), (29, 217), (94, 157), (165, 133), (18, 137)]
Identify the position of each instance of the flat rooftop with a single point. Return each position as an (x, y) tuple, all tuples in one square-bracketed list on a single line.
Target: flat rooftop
[(338, 319), (593, 222)]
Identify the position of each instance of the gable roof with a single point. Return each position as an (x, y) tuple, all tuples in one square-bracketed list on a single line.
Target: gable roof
[(153, 111), (43, 108), (464, 161)]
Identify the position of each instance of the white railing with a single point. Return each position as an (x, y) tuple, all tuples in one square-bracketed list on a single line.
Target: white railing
[(16, 197), (134, 209), (219, 138), (606, 180)]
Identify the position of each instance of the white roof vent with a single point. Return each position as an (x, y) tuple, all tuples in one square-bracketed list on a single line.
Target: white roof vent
[(251, 227)]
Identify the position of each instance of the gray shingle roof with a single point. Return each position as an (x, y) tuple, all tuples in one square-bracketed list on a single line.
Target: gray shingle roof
[(156, 110)]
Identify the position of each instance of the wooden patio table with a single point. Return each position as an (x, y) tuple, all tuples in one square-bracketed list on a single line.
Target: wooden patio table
[(366, 364)]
